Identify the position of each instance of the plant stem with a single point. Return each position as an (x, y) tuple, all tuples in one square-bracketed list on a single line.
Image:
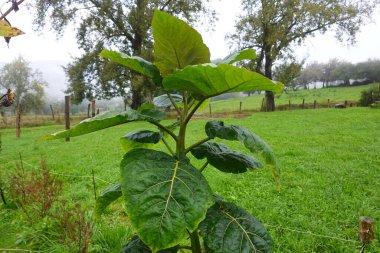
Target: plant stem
[(188, 118), (195, 243), (203, 167), (165, 130), (174, 103), (168, 147), (197, 144)]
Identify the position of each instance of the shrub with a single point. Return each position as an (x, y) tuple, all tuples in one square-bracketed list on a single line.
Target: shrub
[(370, 95)]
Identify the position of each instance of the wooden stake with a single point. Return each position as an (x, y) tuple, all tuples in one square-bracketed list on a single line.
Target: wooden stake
[(93, 182), (366, 232), (93, 108), (88, 110), (52, 111), (18, 121), (67, 115)]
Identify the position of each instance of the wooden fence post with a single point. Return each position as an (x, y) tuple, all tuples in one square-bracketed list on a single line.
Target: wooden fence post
[(289, 105), (328, 103), (366, 232), (93, 108), (315, 104), (18, 121), (67, 114), (88, 110), (209, 107), (303, 103), (241, 104), (52, 111)]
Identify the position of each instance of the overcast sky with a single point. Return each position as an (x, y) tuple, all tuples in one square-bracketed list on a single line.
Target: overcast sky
[(42, 47)]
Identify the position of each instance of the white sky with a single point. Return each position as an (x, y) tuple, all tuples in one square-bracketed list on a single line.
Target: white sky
[(42, 47)]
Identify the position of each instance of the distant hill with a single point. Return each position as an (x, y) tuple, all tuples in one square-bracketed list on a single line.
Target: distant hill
[(53, 74)]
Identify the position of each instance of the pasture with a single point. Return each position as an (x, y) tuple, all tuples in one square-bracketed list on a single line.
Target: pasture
[(324, 98), (330, 162)]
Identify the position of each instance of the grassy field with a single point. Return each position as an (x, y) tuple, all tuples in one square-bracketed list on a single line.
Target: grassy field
[(322, 97), (330, 161)]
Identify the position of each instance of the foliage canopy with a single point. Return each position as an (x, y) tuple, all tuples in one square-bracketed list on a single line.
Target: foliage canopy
[(124, 25), (273, 27)]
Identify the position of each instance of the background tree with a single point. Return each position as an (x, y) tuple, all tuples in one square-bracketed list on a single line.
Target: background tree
[(272, 27), (116, 24), (312, 73), (328, 70), (344, 71), (287, 73), (368, 70), (27, 85)]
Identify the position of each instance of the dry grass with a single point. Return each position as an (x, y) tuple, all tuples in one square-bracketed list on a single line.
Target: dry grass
[(38, 120)]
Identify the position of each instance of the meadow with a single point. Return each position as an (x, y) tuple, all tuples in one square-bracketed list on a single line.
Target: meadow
[(324, 98), (329, 158)]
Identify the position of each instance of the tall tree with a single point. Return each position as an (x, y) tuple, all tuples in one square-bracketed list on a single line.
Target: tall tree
[(27, 85), (122, 25), (274, 26)]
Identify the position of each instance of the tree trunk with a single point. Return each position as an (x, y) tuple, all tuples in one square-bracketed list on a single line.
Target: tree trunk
[(269, 101), (136, 96), (269, 95)]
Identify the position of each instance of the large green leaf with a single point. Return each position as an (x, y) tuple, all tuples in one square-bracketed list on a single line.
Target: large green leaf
[(144, 136), (208, 80), (176, 44), (136, 63), (137, 246), (231, 229), (163, 101), (107, 196), (224, 159), (247, 54), (140, 139), (165, 198), (108, 119), (237, 133)]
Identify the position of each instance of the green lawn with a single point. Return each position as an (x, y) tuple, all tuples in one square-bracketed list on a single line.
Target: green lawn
[(332, 95), (330, 161)]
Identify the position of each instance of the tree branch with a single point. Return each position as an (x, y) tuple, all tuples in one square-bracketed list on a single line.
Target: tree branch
[(11, 9), (165, 4), (197, 144), (112, 18)]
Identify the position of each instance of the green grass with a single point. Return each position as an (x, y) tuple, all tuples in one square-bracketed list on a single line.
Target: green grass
[(330, 161), (322, 97)]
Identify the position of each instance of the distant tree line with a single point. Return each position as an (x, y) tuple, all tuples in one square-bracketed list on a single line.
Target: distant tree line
[(333, 73)]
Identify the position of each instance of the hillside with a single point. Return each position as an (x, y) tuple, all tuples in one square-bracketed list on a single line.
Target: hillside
[(322, 97)]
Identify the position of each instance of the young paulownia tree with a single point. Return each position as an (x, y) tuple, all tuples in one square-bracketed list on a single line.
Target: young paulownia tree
[(169, 202)]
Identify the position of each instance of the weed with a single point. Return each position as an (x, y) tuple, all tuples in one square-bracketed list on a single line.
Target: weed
[(34, 193)]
